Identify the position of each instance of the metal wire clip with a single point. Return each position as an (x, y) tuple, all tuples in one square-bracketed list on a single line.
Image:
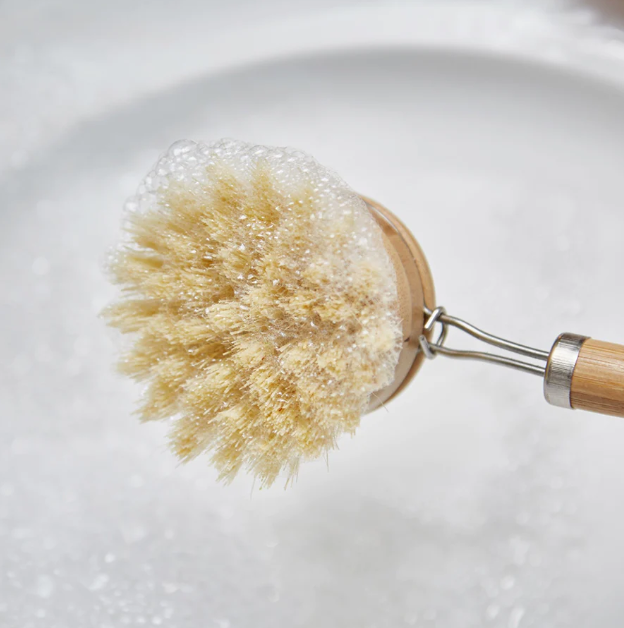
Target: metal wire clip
[(432, 349)]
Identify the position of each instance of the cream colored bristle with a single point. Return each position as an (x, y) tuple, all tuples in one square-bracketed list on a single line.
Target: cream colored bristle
[(262, 304)]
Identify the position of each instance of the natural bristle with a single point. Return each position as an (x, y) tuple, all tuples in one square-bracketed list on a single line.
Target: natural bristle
[(262, 302)]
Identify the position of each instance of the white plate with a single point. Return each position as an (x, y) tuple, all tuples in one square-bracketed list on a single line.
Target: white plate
[(469, 502)]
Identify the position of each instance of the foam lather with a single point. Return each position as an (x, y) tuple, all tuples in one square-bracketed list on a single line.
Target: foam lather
[(261, 303)]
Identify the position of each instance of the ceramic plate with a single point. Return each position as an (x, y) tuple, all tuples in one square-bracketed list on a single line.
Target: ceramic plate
[(497, 135)]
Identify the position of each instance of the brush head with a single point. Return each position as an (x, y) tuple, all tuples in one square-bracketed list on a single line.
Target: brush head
[(262, 303)]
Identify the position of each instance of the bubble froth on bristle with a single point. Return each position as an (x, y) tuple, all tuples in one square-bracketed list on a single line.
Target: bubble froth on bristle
[(262, 303)]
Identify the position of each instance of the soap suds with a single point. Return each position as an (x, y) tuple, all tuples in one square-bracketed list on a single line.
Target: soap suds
[(261, 304)]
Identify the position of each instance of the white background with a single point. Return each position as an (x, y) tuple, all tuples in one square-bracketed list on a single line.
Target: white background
[(496, 131)]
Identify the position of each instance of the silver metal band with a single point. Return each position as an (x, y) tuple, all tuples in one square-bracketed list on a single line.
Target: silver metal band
[(560, 368)]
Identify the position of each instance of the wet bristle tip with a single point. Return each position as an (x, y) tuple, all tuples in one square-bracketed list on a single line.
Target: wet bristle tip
[(260, 302)]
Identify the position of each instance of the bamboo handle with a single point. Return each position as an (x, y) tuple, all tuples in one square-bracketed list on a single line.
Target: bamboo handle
[(598, 378), (586, 374)]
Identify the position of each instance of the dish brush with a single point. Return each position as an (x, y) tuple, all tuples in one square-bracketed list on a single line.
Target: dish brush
[(269, 306)]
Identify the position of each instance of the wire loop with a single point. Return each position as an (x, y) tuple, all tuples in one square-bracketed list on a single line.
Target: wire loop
[(433, 317), (432, 349)]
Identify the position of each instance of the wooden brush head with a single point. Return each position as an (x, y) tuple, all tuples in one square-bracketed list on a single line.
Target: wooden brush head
[(415, 289)]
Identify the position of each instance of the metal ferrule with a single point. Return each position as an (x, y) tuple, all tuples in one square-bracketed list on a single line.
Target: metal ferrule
[(560, 368)]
